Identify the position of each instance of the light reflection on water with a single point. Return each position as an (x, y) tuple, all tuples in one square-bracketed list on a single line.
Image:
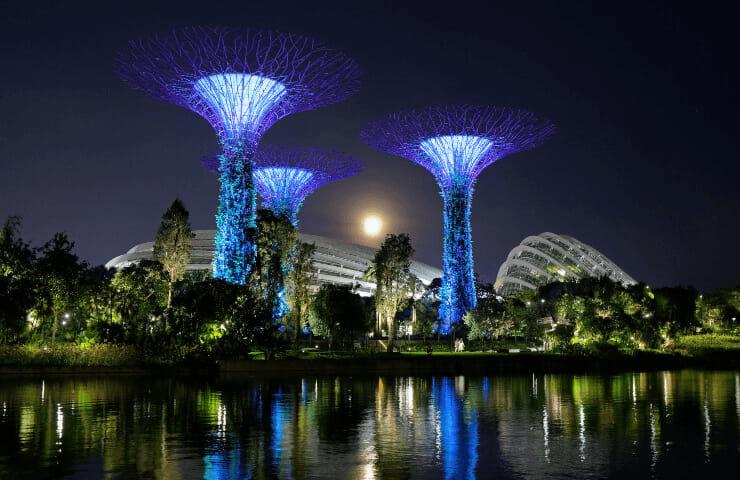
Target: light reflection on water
[(679, 424)]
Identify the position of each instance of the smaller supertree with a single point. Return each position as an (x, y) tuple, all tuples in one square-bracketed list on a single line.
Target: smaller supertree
[(455, 143), (285, 175)]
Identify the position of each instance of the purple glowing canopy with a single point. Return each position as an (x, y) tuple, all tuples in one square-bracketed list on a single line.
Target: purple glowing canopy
[(241, 81), (455, 143), (285, 175)]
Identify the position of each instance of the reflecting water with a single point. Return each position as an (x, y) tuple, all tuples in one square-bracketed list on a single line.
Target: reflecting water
[(678, 424)]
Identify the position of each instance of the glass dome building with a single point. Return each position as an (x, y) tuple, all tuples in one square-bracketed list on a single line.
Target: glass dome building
[(336, 262), (548, 257)]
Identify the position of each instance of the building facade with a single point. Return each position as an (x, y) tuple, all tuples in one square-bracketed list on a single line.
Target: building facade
[(336, 262), (549, 257)]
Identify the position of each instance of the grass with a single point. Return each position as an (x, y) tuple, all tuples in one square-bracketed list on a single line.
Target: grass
[(696, 345), (66, 355)]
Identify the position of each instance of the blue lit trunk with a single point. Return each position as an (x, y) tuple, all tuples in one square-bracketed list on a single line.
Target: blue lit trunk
[(236, 217), (458, 283)]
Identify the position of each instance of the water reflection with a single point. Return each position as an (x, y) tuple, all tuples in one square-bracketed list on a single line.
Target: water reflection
[(665, 425)]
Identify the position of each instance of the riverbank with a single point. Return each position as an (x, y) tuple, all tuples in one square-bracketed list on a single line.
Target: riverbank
[(691, 352)]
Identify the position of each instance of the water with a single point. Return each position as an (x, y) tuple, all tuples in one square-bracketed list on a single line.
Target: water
[(681, 424)]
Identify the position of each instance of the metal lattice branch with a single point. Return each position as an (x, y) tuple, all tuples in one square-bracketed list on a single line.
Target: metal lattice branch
[(285, 175), (210, 70), (457, 142), (241, 82)]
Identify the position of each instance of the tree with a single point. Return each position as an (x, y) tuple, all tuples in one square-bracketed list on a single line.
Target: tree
[(339, 313), (300, 277), (60, 273), (174, 244), (140, 296), (275, 241), (393, 279), (16, 280)]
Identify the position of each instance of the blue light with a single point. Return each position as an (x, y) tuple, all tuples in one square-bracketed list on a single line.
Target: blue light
[(239, 100), (235, 219), (283, 189), (457, 294), (455, 156)]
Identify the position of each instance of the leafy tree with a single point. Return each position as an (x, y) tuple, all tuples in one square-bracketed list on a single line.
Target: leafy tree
[(217, 315), (339, 313), (173, 244), (427, 316), (675, 309), (275, 241), (719, 311), (140, 297), (16, 280), (393, 279), (300, 277), (60, 272)]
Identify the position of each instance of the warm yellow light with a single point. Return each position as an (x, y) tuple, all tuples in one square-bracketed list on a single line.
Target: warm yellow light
[(372, 225)]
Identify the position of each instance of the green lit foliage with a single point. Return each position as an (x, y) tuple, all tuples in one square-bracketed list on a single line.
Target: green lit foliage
[(16, 281), (602, 311), (495, 319), (394, 282), (300, 277), (275, 241), (339, 314), (719, 311), (173, 244), (427, 316), (140, 298), (61, 287)]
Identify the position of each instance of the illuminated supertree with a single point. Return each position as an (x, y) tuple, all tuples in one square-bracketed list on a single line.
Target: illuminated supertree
[(241, 82), (455, 144), (285, 175)]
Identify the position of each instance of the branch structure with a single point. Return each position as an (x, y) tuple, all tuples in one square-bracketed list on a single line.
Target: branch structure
[(241, 82), (455, 143), (285, 175)]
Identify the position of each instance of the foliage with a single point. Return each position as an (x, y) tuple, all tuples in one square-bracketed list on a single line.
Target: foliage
[(17, 285), (275, 241), (300, 277), (173, 243), (719, 311), (60, 290), (394, 282), (339, 314), (140, 298)]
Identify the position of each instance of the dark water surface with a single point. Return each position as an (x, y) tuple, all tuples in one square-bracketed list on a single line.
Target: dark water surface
[(679, 424)]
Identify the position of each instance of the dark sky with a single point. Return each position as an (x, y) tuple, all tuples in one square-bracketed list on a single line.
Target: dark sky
[(644, 166)]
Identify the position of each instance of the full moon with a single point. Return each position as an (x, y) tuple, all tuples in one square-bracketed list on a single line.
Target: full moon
[(372, 224)]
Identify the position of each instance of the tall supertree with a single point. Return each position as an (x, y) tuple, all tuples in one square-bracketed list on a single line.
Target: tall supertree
[(455, 143), (285, 175), (241, 82)]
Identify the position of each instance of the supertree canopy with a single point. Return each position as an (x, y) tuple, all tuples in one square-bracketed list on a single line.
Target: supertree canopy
[(455, 143), (241, 82), (285, 175)]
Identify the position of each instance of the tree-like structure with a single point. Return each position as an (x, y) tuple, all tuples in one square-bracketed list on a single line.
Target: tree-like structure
[(455, 143), (285, 175), (241, 82)]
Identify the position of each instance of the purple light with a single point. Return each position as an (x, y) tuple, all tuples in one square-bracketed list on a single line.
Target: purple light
[(455, 144), (285, 175), (241, 82), (240, 101)]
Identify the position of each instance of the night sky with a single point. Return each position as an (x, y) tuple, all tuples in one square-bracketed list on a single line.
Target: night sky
[(644, 166)]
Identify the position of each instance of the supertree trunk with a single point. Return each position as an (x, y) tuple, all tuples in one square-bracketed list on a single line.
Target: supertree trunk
[(236, 218), (458, 283)]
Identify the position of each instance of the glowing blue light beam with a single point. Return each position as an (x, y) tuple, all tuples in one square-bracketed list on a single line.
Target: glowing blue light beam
[(241, 101), (283, 189), (455, 156)]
